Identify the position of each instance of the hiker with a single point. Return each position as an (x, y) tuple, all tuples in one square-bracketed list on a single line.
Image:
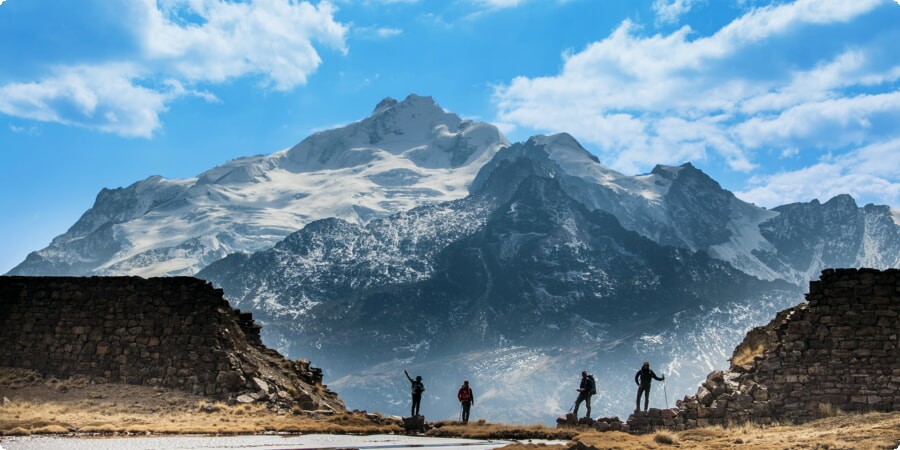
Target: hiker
[(467, 399), (417, 388), (646, 376), (586, 389)]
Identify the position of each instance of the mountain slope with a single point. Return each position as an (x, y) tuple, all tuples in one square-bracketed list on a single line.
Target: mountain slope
[(682, 206), (404, 155), (534, 276)]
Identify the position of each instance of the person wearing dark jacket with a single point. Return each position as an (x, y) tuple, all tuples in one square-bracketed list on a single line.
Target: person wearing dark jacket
[(586, 389), (642, 379), (467, 399), (417, 388)]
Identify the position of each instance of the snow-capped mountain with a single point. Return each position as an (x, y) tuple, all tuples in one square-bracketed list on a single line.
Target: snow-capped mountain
[(682, 206), (413, 153), (404, 155), (524, 272)]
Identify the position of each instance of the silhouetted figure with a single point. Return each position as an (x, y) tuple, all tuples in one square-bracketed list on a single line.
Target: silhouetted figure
[(467, 399), (417, 388), (643, 378), (586, 389)]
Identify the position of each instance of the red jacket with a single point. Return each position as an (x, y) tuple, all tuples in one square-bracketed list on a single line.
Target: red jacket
[(465, 394)]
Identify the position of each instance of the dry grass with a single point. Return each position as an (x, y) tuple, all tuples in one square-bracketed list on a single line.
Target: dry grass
[(744, 355), (99, 417), (842, 432), (829, 410), (664, 438), (53, 406), (483, 430)]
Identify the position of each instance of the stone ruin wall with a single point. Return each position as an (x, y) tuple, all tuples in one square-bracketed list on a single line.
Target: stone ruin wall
[(175, 332), (840, 351)]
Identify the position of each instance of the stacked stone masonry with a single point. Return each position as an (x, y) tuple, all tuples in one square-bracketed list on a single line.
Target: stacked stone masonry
[(175, 332), (837, 352)]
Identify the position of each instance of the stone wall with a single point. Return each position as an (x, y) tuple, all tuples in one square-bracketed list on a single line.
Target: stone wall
[(175, 332), (840, 351)]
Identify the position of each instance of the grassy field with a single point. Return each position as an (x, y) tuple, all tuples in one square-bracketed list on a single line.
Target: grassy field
[(49, 406)]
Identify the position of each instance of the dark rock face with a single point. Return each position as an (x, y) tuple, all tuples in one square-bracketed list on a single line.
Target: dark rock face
[(173, 332), (837, 352), (812, 236)]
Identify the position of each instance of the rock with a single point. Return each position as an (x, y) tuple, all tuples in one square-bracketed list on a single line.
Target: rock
[(261, 385), (414, 423), (705, 397), (245, 398), (578, 445), (586, 421), (209, 407)]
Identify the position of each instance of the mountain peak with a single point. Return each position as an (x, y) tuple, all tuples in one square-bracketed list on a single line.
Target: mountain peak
[(560, 144), (842, 200), (414, 102), (384, 104), (670, 172)]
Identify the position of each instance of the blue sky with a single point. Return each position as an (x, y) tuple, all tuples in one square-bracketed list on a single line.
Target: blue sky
[(779, 101)]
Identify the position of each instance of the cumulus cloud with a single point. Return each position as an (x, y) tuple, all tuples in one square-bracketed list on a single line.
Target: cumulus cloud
[(183, 44), (669, 11), (270, 38), (869, 174), (641, 99), (101, 97)]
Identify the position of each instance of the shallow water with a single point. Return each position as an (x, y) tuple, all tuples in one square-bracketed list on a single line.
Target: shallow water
[(267, 442)]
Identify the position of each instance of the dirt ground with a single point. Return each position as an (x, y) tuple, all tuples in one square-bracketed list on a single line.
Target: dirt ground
[(32, 404)]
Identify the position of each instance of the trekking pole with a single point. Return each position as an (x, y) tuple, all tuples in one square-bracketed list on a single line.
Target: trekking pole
[(666, 394)]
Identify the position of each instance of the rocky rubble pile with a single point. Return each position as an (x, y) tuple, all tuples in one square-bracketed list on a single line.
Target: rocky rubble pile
[(175, 332), (654, 419), (839, 351), (600, 424)]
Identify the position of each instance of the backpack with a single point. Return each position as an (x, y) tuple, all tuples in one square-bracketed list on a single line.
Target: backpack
[(418, 387), (592, 385), (465, 394)]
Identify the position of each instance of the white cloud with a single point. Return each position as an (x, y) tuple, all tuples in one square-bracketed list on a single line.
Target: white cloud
[(270, 38), (274, 40), (30, 131), (669, 11), (374, 32), (497, 4), (643, 100), (868, 174), (830, 123), (101, 97)]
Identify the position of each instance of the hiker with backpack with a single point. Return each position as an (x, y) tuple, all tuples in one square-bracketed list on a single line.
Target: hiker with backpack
[(417, 389), (642, 379), (586, 389), (466, 399)]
